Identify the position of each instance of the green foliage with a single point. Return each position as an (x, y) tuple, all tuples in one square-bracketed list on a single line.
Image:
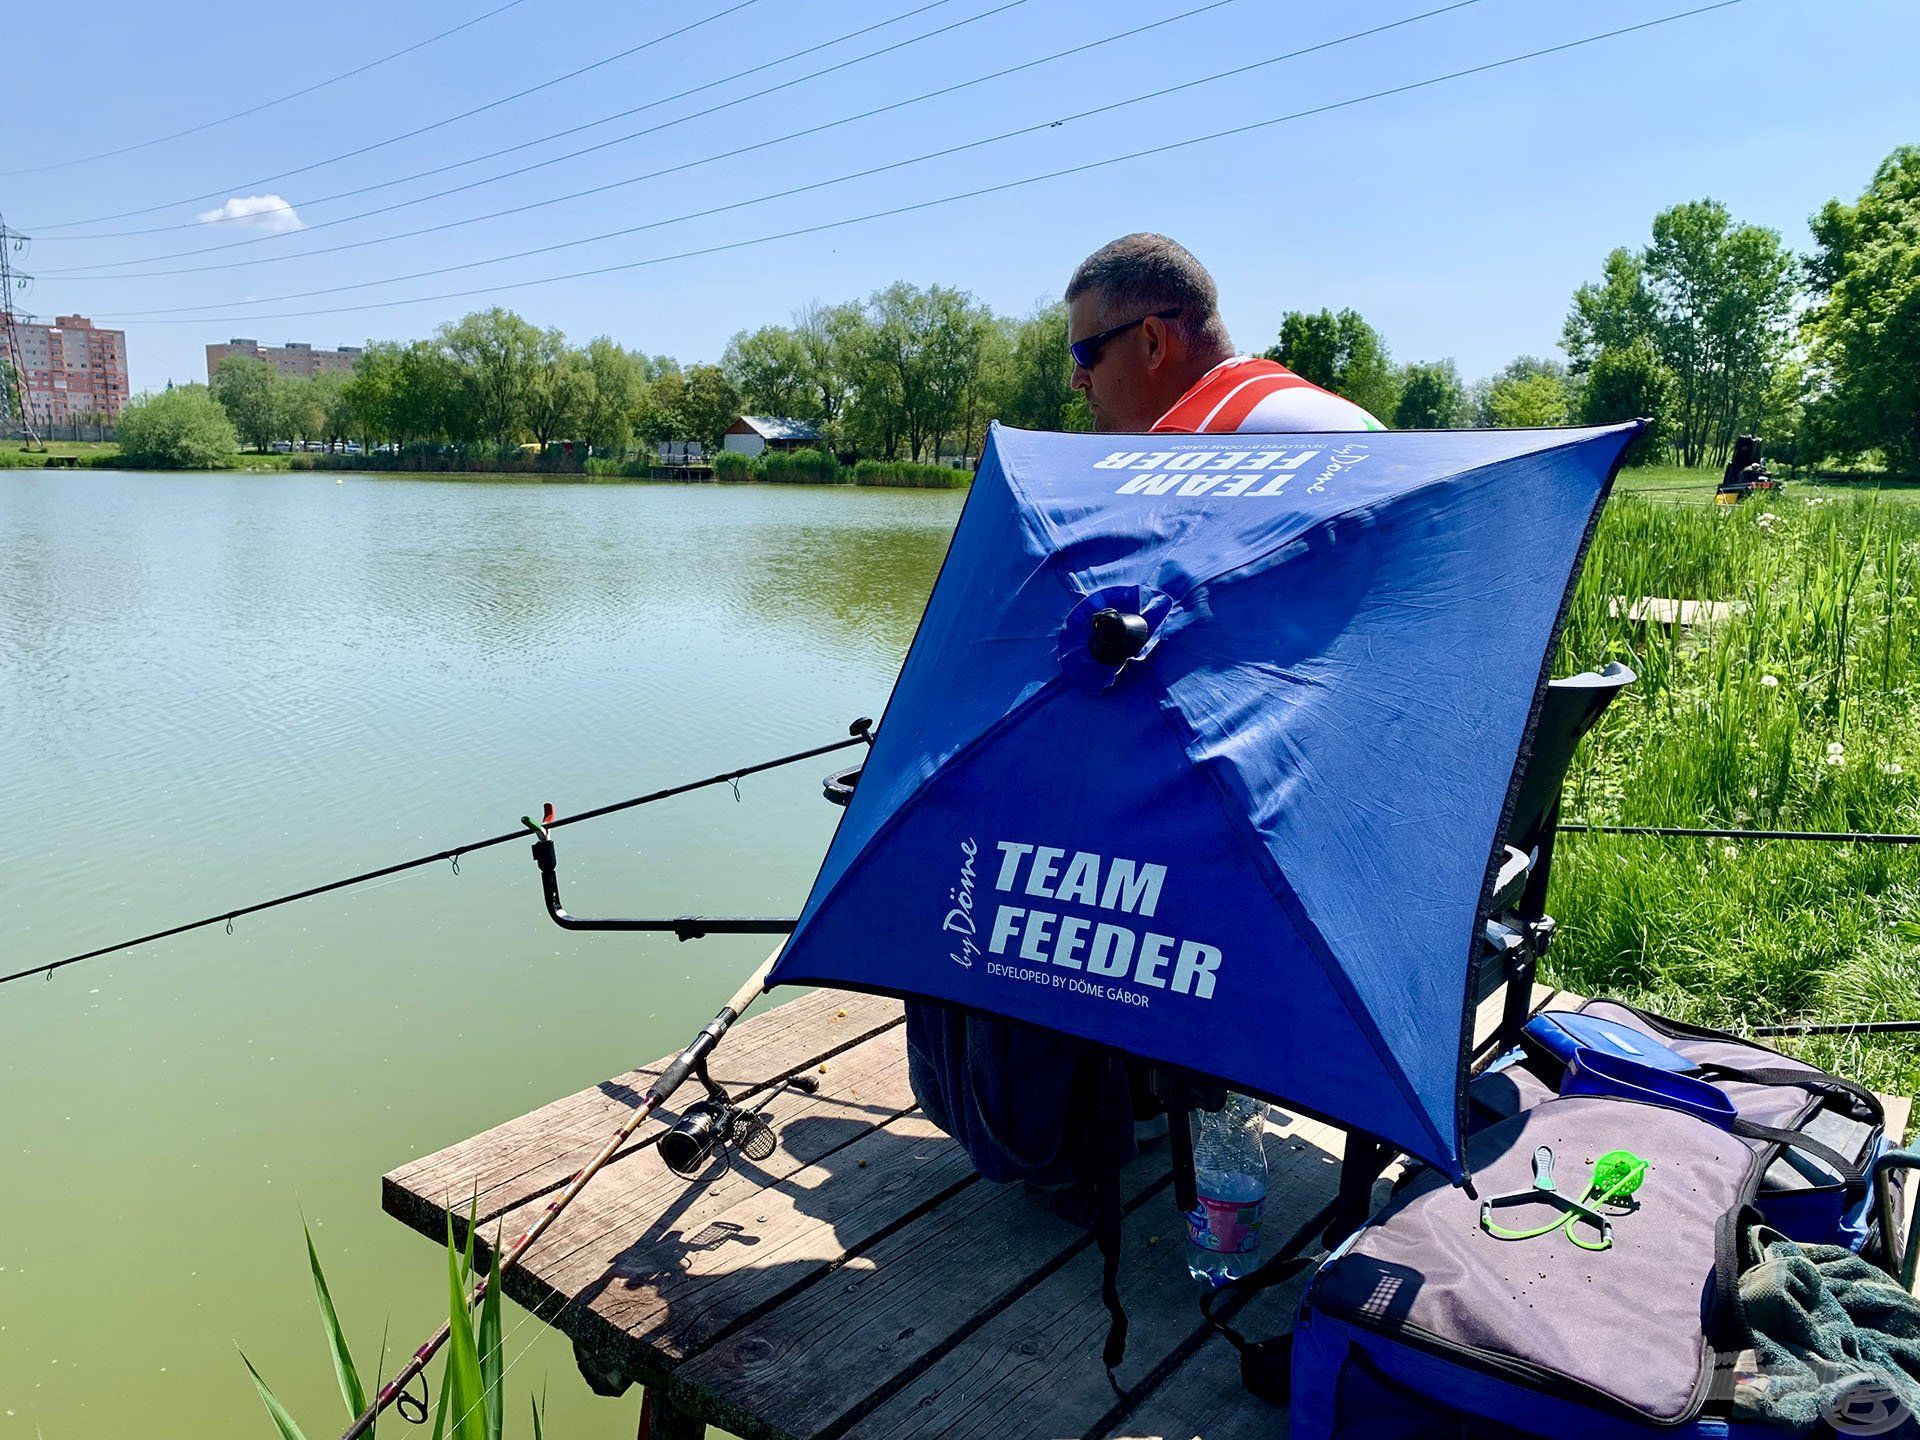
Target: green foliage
[(496, 353), (908, 475), (1039, 393), (1713, 299), (253, 397), (731, 465), (1341, 353), (1865, 327), (344, 1371), (1626, 382), (801, 467), (183, 429), (770, 370), (1799, 710), (616, 380), (472, 1392), (1432, 397), (1529, 392)]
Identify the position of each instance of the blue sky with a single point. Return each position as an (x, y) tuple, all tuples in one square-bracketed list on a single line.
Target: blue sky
[(1457, 217)]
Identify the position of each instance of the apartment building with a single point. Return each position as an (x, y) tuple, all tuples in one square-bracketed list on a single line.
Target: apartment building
[(293, 358), (73, 368)]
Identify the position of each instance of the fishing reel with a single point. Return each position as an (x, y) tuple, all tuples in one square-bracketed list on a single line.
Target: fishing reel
[(717, 1124)]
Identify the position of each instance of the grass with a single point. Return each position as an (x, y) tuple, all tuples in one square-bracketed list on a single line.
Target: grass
[(1691, 485), (472, 1389), (1801, 711)]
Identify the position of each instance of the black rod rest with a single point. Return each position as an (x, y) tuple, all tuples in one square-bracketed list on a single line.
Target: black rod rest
[(686, 927), (1117, 636)]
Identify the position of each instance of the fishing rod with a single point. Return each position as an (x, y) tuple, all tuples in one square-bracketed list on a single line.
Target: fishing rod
[(689, 1061), (1857, 837), (858, 733)]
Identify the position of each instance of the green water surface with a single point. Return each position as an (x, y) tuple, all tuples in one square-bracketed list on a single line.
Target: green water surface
[(217, 688)]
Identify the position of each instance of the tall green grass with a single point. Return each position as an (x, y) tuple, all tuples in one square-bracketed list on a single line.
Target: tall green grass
[(912, 476), (1800, 710), (472, 1390)]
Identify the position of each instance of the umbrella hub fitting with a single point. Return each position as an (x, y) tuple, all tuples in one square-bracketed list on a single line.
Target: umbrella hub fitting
[(1116, 636)]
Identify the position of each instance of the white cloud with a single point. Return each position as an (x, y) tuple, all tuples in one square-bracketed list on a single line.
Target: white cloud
[(268, 213)]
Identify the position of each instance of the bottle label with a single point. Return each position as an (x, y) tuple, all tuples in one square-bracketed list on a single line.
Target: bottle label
[(1231, 1227)]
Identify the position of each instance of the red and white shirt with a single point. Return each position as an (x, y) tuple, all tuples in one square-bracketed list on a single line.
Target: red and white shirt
[(1249, 393)]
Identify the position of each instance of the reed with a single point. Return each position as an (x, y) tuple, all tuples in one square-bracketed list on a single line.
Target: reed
[(1799, 710)]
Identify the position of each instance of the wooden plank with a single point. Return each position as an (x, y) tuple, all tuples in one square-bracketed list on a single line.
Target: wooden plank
[(538, 1152), (1205, 1399), (1033, 1367), (611, 1270), (802, 1368)]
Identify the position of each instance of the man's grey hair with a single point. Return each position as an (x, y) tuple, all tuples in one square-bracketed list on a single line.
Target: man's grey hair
[(1141, 273)]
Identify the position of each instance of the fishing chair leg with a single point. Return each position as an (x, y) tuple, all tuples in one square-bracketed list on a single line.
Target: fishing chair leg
[(1364, 1162), (660, 1419)]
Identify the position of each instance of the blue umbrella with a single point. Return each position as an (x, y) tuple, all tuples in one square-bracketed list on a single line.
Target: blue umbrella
[(1203, 747)]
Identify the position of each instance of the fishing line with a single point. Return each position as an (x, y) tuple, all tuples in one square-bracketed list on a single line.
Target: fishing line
[(79, 272), (1860, 837), (858, 736), (569, 155), (1237, 132), (244, 185), (266, 104)]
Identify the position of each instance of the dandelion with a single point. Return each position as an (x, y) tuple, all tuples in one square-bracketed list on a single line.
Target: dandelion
[(1834, 747), (1769, 682), (1836, 759), (1730, 852), (1892, 767)]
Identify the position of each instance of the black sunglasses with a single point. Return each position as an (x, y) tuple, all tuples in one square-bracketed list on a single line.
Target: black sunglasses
[(1086, 353)]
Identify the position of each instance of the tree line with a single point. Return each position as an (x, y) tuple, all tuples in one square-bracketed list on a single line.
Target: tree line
[(1713, 328), (908, 374)]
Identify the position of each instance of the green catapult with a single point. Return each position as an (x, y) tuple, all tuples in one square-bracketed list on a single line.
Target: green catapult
[(1616, 1175)]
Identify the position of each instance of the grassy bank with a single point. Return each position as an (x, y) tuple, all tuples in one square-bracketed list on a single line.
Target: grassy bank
[(1801, 711)]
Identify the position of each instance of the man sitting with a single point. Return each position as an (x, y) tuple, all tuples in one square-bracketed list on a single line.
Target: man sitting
[(1152, 354)]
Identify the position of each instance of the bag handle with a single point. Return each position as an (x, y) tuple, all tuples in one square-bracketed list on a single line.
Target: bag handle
[(1816, 1080), (1852, 1175)]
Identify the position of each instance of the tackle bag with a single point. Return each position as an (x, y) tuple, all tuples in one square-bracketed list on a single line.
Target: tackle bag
[(1422, 1325), (1825, 1134)]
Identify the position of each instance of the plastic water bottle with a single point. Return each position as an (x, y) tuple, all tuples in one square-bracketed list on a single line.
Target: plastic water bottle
[(1230, 1164)]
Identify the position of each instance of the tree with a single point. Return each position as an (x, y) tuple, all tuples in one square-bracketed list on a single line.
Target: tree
[(1713, 298), (615, 381), (1341, 353), (1864, 328), (826, 336), (336, 415), (247, 390), (708, 405), (1625, 382), (770, 369), (1529, 400), (555, 392), (1039, 391), (300, 406), (1610, 315), (177, 429), (1432, 397), (495, 352)]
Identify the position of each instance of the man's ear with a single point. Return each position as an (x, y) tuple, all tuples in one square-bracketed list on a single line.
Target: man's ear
[(1159, 339)]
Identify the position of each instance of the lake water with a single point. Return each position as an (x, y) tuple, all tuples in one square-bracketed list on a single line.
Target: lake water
[(218, 688)]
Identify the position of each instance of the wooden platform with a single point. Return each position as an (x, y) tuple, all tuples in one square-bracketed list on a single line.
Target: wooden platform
[(863, 1281)]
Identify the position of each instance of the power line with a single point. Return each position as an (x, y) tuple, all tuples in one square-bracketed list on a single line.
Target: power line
[(243, 185), (778, 60), (704, 160), (954, 199), (997, 9), (866, 173), (265, 104), (13, 394)]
